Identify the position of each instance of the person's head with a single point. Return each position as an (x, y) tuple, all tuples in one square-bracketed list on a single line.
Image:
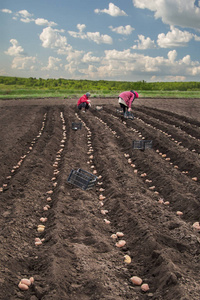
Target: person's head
[(135, 93), (88, 94)]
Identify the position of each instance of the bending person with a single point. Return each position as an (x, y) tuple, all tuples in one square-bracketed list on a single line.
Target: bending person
[(125, 101)]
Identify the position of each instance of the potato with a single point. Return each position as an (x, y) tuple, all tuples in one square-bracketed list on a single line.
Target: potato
[(194, 178), (38, 243), (25, 281), (43, 219), (104, 211), (101, 197), (23, 286), (50, 192), (179, 213), (196, 225), (31, 280), (120, 243), (114, 236), (40, 228), (136, 280), (144, 287), (127, 259), (119, 234), (106, 221)]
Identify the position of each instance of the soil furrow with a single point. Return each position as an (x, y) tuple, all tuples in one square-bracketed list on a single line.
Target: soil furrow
[(15, 141), (167, 180), (28, 192), (171, 118), (134, 214), (137, 195), (176, 153)]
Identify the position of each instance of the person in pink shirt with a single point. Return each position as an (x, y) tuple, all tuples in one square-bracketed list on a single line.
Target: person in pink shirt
[(125, 101), (84, 102)]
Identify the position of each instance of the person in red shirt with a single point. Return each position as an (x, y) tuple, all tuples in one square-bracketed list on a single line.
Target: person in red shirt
[(125, 101), (84, 102)]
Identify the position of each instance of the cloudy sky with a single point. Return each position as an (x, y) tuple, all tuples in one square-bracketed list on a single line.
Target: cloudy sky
[(128, 40)]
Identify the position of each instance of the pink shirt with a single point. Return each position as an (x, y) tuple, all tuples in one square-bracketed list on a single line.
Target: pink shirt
[(128, 97)]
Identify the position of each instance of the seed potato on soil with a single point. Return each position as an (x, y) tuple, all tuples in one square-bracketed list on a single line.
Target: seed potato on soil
[(74, 255)]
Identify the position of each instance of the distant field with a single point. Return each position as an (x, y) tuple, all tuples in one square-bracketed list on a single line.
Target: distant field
[(18, 92), (30, 88)]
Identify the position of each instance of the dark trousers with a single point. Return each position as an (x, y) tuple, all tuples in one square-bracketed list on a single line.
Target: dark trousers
[(83, 105), (124, 107)]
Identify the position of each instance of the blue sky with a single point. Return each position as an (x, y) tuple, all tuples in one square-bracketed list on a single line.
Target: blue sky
[(129, 40)]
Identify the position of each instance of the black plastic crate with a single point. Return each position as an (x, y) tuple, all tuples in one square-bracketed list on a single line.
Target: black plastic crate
[(142, 144), (82, 179), (76, 126)]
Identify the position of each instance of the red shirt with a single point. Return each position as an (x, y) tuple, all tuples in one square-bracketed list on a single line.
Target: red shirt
[(128, 97), (84, 98)]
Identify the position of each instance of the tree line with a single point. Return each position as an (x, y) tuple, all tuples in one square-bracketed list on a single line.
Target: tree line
[(95, 85)]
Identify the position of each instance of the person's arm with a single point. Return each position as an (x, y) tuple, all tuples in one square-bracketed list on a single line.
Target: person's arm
[(87, 101), (130, 102)]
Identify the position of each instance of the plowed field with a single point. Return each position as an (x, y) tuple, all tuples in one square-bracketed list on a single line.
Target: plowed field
[(137, 193)]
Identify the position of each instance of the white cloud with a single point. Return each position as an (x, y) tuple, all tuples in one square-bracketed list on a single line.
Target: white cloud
[(99, 38), (144, 43), (53, 64), (7, 11), (187, 60), (197, 38), (80, 34), (81, 27), (51, 38), (26, 20), (24, 13), (74, 56), (91, 71), (112, 10), (195, 71), (73, 70), (89, 58), (20, 61), (124, 55), (76, 34), (25, 16), (182, 13), (124, 30), (24, 63), (174, 38), (15, 49), (92, 36), (115, 63), (65, 50), (44, 22), (172, 55)]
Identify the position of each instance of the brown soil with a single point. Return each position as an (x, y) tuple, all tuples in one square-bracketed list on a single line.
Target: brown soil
[(78, 258)]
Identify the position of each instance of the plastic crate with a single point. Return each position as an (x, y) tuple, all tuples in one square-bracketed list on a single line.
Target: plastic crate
[(76, 126), (142, 145), (148, 144), (82, 179)]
